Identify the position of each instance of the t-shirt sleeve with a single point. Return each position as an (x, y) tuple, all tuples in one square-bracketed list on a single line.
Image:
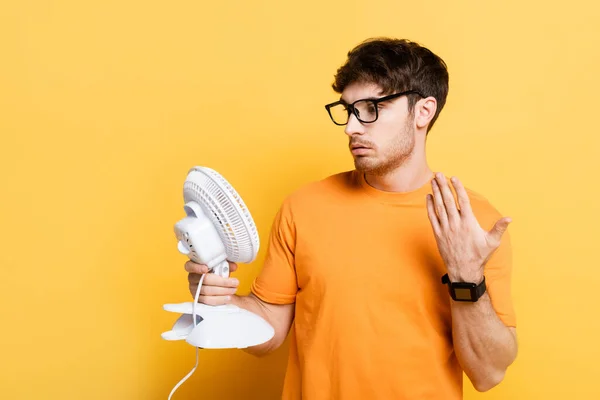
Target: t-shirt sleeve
[(498, 273), (277, 283)]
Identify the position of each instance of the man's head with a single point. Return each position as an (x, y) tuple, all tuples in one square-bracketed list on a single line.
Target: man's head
[(388, 130)]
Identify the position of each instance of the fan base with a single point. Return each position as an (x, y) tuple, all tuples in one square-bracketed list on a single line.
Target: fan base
[(219, 327)]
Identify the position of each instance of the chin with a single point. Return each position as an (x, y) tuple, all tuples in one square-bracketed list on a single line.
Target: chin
[(373, 167), (365, 164)]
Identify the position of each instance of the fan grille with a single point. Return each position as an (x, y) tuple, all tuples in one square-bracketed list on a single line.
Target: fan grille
[(226, 209)]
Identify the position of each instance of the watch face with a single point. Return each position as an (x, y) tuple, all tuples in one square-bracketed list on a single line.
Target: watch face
[(462, 294)]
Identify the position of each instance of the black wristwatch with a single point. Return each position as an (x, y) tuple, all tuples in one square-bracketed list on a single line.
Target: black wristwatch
[(464, 291)]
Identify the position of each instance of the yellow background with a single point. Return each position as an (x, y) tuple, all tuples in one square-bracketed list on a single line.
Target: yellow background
[(105, 105)]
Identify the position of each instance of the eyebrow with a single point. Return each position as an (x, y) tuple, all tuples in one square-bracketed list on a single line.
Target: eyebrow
[(363, 98)]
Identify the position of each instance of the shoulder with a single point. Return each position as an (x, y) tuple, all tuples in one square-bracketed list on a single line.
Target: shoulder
[(331, 185), (327, 190)]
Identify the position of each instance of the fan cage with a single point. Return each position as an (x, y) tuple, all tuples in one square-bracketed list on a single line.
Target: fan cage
[(218, 200)]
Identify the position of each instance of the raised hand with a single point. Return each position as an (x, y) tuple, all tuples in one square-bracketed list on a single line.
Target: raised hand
[(464, 246)]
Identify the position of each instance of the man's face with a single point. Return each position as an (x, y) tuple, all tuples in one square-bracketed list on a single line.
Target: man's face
[(385, 144)]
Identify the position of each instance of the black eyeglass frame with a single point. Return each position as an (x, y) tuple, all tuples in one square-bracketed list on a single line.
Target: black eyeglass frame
[(351, 109)]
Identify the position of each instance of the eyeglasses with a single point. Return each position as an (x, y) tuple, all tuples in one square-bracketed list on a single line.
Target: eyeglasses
[(365, 110)]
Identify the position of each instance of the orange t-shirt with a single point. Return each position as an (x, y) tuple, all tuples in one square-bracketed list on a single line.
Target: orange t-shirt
[(372, 318)]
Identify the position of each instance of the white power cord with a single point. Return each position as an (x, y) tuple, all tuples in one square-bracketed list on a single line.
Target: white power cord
[(185, 378)]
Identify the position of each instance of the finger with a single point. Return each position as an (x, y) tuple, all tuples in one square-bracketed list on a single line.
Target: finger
[(214, 300), (196, 268), (463, 197), (449, 201), (232, 266), (438, 203), (217, 280), (495, 234), (194, 278), (435, 222), (217, 290)]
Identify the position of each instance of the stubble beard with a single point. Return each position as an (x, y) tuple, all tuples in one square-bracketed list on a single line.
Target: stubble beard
[(396, 154)]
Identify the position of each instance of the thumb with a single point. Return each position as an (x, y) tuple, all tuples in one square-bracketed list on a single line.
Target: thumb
[(499, 228), (232, 266)]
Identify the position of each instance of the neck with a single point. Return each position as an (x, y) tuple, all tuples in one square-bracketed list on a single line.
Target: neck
[(411, 175)]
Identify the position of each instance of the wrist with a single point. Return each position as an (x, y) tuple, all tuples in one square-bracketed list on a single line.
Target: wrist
[(237, 300), (465, 287), (466, 275)]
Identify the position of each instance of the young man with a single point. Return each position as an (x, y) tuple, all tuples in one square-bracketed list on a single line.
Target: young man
[(390, 283)]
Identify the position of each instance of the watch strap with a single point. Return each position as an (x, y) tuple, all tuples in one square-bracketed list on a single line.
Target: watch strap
[(476, 291)]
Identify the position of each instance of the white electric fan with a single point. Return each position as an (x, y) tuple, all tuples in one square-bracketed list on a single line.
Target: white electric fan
[(217, 228)]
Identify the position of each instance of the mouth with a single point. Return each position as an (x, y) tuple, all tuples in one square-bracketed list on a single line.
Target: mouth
[(359, 150), (358, 146)]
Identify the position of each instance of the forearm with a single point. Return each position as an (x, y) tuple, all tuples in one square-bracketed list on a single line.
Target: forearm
[(484, 346), (254, 305)]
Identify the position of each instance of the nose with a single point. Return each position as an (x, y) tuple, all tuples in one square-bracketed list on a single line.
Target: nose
[(354, 126)]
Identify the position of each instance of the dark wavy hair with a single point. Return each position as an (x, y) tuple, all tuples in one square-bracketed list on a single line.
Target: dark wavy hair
[(396, 65)]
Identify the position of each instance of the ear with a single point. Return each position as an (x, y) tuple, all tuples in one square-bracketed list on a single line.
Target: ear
[(424, 111)]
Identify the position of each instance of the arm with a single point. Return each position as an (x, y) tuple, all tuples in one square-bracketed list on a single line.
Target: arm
[(217, 290), (484, 345), (279, 316), (273, 292), (276, 283)]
